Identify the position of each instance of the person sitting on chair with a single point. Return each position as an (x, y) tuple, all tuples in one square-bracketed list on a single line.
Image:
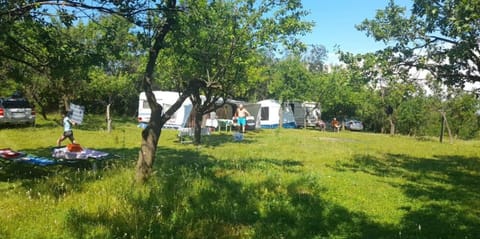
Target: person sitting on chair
[(321, 125), (335, 125), (318, 121)]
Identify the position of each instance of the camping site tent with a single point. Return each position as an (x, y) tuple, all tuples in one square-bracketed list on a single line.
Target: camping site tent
[(270, 115), (253, 122), (227, 111), (166, 99), (182, 118)]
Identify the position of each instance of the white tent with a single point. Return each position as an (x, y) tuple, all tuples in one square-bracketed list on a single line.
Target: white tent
[(166, 99), (270, 115)]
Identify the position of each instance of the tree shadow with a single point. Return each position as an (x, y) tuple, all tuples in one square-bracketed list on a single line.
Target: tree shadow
[(65, 176), (445, 187), (196, 196), (12, 171), (220, 138), (15, 126)]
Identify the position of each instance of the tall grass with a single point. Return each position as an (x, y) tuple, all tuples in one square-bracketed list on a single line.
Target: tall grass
[(273, 184)]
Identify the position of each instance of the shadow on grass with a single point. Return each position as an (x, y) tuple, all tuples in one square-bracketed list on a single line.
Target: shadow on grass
[(42, 180), (64, 177), (195, 196), (443, 188), (219, 138)]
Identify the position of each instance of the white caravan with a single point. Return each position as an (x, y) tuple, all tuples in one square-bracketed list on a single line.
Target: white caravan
[(166, 99), (270, 115)]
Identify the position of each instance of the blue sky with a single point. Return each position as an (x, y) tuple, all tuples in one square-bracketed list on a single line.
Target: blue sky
[(335, 22)]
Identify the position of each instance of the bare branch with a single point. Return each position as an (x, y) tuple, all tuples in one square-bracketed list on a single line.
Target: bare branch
[(439, 38), (24, 9)]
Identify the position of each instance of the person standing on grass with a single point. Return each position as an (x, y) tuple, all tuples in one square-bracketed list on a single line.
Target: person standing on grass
[(67, 129), (241, 115)]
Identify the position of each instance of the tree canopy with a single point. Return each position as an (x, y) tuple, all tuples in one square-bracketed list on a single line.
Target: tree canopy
[(441, 36)]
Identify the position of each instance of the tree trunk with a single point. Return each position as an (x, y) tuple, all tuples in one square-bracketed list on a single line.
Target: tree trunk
[(197, 139), (444, 121), (151, 134), (109, 119), (392, 125), (197, 109), (66, 106), (280, 116)]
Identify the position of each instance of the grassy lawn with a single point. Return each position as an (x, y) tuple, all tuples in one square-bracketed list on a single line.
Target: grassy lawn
[(274, 184)]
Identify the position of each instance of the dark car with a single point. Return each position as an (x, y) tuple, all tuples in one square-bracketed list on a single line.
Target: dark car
[(16, 111), (353, 125)]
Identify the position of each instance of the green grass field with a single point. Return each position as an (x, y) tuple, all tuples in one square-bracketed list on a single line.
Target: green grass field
[(274, 184)]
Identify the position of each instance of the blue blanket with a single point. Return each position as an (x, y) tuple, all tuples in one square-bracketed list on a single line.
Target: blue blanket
[(21, 157), (36, 160), (58, 155)]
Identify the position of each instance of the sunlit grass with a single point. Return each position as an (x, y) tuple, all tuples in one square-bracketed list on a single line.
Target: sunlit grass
[(274, 184)]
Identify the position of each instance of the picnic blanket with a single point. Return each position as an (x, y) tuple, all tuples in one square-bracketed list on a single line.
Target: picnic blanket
[(58, 155), (8, 153), (15, 156), (64, 153), (36, 160)]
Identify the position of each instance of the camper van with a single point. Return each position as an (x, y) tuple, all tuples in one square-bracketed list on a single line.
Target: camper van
[(305, 113), (166, 99)]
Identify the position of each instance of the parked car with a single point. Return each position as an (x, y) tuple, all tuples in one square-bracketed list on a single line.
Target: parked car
[(353, 125), (16, 111)]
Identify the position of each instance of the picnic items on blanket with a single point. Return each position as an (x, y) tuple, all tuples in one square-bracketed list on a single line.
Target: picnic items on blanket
[(65, 153), (74, 148), (58, 154)]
